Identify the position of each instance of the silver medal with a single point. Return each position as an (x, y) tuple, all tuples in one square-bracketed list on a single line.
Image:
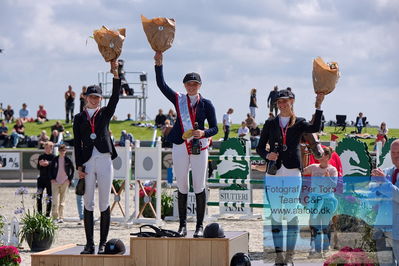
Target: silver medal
[(284, 147), (93, 136)]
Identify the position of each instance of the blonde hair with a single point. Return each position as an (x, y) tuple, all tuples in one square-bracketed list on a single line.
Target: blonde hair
[(292, 117), (48, 143), (253, 91)]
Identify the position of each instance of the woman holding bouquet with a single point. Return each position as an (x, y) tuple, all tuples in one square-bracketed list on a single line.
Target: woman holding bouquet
[(94, 152), (283, 134), (190, 141)]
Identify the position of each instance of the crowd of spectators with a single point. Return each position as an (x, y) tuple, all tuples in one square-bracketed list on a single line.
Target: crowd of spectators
[(15, 136)]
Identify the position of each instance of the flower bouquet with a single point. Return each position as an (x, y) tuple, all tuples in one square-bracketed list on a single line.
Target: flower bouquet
[(325, 75), (109, 42), (9, 256), (349, 257), (160, 32)]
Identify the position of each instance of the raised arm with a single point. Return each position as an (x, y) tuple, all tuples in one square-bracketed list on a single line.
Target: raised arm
[(165, 89), (315, 126), (116, 85)]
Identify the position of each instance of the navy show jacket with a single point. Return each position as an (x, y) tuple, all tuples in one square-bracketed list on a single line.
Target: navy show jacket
[(205, 110)]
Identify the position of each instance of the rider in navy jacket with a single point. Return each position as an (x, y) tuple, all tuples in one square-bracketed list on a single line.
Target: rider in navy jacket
[(205, 110)]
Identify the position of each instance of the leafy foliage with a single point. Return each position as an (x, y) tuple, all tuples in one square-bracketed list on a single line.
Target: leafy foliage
[(166, 204), (39, 224), (1, 226)]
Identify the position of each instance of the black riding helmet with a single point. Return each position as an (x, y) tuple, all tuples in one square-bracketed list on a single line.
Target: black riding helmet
[(115, 246), (240, 259), (214, 230)]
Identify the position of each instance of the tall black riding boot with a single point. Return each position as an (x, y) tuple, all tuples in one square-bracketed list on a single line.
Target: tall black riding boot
[(104, 229), (182, 204), (89, 230), (200, 200)]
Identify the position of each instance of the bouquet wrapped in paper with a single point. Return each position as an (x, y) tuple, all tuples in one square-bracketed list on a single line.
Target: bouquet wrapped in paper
[(109, 42), (160, 32), (325, 76)]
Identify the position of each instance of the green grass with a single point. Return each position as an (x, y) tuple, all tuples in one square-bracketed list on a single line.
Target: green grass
[(393, 133), (143, 133), (116, 127)]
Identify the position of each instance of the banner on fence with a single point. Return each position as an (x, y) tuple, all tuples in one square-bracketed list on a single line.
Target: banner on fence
[(10, 161), (235, 196)]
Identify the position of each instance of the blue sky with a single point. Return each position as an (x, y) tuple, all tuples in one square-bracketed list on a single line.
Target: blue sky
[(234, 45)]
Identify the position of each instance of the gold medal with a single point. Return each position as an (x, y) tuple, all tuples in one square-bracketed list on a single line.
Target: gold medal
[(188, 134)]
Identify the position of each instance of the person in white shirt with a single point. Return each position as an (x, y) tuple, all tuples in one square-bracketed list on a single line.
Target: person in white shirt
[(227, 122), (243, 130)]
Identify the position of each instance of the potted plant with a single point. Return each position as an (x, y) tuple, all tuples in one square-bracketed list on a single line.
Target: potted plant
[(9, 256), (38, 230)]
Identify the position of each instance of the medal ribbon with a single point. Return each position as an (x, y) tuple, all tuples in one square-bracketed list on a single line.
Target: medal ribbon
[(284, 132), (187, 115), (183, 112), (193, 111), (92, 120)]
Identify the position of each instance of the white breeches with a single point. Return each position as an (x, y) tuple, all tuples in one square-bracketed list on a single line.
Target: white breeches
[(182, 162), (99, 168), (283, 190)]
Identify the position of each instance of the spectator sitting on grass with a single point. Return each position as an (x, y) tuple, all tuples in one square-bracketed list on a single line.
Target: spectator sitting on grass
[(18, 132), (3, 129), (254, 131), (160, 119), (3, 134), (126, 136), (43, 138), (24, 113), (382, 134), (41, 115), (56, 137), (9, 114), (129, 117), (249, 121), (243, 130), (57, 126)]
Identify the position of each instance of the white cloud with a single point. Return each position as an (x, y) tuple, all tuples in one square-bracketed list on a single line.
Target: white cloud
[(235, 45)]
